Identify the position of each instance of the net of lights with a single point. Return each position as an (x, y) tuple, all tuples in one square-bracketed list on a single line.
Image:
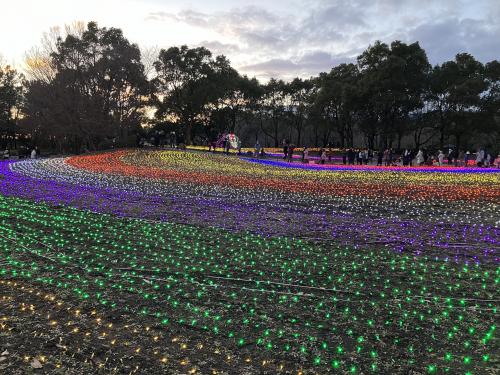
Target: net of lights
[(370, 219), (287, 298), (294, 300)]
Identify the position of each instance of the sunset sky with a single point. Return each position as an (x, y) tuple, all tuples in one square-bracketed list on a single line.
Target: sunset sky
[(269, 38)]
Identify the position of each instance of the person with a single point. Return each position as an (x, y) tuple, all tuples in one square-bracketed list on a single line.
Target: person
[(33, 154), (228, 145), (344, 156), (161, 133), (487, 161), (291, 148), (479, 158), (173, 140), (366, 156), (285, 148), (262, 153), (459, 158), (497, 161), (406, 157), (350, 156), (322, 156), (450, 156), (431, 160), (420, 157), (466, 158), (441, 158), (410, 158), (427, 158), (380, 156), (361, 157), (305, 155), (386, 157), (224, 142), (257, 149)]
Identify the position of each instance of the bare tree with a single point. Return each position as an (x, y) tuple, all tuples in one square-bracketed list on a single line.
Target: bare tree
[(148, 56), (38, 62)]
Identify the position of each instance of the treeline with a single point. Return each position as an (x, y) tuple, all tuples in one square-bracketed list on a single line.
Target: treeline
[(91, 89)]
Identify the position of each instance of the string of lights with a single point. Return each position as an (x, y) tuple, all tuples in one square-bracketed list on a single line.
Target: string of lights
[(220, 263), (325, 329)]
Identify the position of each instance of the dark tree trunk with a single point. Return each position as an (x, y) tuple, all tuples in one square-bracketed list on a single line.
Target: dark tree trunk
[(187, 133)]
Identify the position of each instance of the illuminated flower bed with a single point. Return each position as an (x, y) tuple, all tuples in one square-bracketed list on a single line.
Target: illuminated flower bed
[(184, 262), (219, 170), (348, 220)]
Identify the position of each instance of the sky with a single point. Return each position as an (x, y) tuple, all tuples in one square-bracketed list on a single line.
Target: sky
[(269, 38)]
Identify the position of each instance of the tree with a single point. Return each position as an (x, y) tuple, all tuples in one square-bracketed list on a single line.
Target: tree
[(11, 95), (335, 103), (298, 101), (89, 87), (490, 103), (393, 80), (187, 86), (272, 103), (97, 92), (455, 94)]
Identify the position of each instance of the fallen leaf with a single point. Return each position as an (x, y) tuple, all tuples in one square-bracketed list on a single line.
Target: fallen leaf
[(6, 352), (36, 364), (2, 359)]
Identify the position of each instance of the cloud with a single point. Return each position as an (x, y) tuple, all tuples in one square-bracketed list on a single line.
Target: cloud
[(340, 16), (190, 17), (309, 64), (310, 36), (443, 40), (218, 48), (261, 31)]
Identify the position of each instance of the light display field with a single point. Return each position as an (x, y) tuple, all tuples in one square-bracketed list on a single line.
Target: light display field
[(155, 262)]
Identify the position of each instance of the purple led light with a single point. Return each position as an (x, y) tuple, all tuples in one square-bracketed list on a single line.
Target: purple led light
[(372, 168)]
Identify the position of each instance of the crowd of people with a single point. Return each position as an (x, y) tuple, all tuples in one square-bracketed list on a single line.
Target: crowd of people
[(390, 157), (24, 152), (347, 156)]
